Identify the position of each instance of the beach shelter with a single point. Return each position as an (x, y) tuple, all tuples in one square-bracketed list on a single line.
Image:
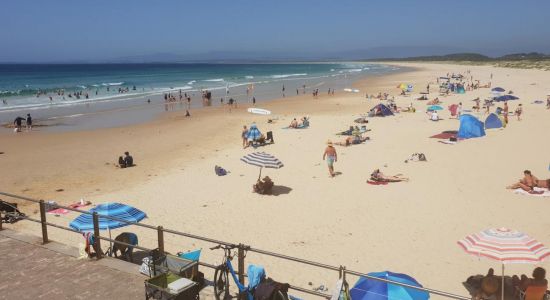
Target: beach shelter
[(253, 133), (505, 245), (506, 98), (262, 160), (380, 110), (498, 89), (367, 288), (470, 127), (493, 121), (122, 212)]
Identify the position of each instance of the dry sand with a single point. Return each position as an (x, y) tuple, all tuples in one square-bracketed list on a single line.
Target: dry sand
[(407, 227)]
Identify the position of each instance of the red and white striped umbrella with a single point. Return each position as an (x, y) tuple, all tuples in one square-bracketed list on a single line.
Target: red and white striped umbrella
[(505, 245)]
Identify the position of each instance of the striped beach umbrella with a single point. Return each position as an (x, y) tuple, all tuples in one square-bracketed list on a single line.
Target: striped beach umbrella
[(505, 245), (262, 160), (85, 222)]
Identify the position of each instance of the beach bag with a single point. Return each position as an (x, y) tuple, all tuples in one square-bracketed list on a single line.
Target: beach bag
[(220, 171), (268, 289), (421, 157)]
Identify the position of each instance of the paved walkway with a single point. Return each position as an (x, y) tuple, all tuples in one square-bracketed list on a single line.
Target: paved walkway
[(31, 271)]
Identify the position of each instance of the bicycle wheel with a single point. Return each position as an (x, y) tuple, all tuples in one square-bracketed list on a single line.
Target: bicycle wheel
[(280, 296), (221, 284)]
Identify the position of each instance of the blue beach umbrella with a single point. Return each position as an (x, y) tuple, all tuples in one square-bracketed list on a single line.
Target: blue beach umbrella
[(498, 89), (370, 289), (506, 98), (253, 133), (85, 222), (435, 107)]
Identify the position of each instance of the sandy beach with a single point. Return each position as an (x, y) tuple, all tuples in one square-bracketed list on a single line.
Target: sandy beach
[(409, 227)]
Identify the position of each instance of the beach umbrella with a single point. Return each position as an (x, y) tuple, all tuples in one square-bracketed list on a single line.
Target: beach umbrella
[(85, 222), (372, 289), (253, 133), (505, 245), (506, 98), (435, 107), (498, 89), (262, 160)]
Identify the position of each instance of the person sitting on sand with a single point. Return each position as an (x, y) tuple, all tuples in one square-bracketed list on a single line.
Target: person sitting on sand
[(121, 162), (305, 122), (379, 176), (434, 116), (527, 183), (293, 124), (128, 159)]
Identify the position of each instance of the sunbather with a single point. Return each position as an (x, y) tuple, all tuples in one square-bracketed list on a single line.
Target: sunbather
[(379, 176), (353, 140), (527, 183)]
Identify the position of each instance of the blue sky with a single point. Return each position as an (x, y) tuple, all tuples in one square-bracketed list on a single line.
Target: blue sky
[(63, 30)]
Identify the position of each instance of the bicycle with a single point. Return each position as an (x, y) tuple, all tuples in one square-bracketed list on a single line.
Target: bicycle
[(221, 278)]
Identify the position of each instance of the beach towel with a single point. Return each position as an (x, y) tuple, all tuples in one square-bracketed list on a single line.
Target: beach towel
[(63, 211), (377, 182), (443, 136), (540, 192)]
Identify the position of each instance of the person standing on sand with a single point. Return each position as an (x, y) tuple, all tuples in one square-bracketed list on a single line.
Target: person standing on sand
[(548, 102), (253, 101), (244, 135), (331, 157), (505, 112), (29, 122), (519, 111)]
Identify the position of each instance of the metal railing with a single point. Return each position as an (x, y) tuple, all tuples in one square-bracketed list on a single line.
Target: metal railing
[(242, 248)]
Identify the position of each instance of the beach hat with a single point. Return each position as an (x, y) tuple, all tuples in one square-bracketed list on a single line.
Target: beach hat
[(329, 142)]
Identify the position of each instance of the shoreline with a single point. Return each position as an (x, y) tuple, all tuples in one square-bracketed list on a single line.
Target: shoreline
[(407, 227)]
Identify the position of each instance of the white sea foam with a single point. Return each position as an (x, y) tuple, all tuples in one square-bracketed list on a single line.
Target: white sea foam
[(249, 77), (214, 80), (355, 70), (191, 82), (82, 86), (112, 83), (288, 75)]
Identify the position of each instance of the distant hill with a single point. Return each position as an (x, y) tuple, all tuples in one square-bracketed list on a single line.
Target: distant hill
[(475, 57)]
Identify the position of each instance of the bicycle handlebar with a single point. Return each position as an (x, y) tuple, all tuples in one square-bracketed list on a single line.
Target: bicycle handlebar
[(228, 247)]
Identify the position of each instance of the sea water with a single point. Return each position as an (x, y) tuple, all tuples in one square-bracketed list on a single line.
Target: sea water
[(43, 89)]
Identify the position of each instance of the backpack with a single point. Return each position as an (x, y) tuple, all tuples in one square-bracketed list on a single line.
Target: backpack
[(267, 289), (220, 171)]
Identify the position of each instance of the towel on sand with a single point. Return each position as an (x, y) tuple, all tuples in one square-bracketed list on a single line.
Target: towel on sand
[(377, 182), (62, 211), (540, 192)]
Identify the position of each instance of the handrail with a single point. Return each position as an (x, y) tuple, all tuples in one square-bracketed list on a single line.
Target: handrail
[(241, 246)]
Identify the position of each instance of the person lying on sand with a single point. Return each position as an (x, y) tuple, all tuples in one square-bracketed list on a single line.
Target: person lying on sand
[(353, 140), (379, 176), (527, 183)]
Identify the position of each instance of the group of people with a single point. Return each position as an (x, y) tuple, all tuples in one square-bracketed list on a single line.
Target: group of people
[(304, 122), (523, 287), (18, 123)]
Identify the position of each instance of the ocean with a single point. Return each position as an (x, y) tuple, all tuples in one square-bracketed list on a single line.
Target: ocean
[(62, 91)]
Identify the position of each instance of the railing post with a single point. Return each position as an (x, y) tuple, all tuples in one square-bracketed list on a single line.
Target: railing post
[(160, 232), (43, 221), (97, 239), (240, 270)]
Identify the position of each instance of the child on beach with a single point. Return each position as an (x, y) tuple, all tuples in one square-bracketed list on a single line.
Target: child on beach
[(331, 157), (244, 134)]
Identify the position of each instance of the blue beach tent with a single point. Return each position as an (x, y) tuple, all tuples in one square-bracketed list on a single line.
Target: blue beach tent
[(506, 98), (382, 110), (371, 289), (470, 127), (493, 121)]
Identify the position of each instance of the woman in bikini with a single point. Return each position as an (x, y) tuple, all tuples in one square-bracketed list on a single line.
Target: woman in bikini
[(527, 183)]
